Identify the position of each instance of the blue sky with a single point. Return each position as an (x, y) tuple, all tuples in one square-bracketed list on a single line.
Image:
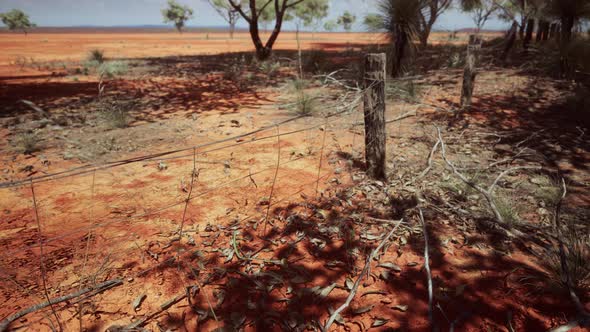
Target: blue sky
[(147, 12)]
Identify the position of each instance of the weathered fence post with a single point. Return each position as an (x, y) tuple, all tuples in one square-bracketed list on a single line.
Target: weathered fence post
[(374, 107), (470, 70)]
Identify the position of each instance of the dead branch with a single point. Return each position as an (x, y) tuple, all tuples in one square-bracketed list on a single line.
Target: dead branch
[(430, 156), (584, 316), (163, 307), (96, 290), (487, 193), (427, 268), (357, 283)]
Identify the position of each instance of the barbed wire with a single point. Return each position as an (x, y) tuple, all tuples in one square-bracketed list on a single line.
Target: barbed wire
[(85, 169), (346, 103)]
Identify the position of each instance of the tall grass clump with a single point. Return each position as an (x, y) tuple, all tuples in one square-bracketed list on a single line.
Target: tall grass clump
[(304, 104), (116, 114), (28, 142), (97, 56)]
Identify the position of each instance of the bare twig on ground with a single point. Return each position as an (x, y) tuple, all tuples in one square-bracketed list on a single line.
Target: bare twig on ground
[(428, 272), (204, 294), (584, 316), (163, 307), (357, 283), (487, 193), (96, 289), (430, 156)]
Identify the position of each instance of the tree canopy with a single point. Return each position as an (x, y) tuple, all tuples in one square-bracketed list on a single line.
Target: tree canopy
[(227, 12), (17, 20), (177, 14), (311, 12), (346, 20)]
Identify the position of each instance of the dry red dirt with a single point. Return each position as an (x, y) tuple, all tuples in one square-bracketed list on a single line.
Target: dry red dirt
[(323, 217)]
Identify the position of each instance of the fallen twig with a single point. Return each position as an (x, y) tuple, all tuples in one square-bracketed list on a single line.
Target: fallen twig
[(584, 316), (96, 289), (357, 283), (428, 272), (430, 156), (487, 193), (163, 307)]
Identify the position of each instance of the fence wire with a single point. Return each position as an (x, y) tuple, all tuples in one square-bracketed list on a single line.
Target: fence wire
[(125, 218)]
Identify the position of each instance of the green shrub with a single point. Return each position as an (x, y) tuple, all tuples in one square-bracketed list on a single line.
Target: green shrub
[(455, 60), (404, 90), (112, 69), (299, 85), (507, 210), (270, 68), (305, 104)]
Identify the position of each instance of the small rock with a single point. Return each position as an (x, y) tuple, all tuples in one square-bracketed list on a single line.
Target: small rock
[(264, 201), (162, 166), (130, 279)]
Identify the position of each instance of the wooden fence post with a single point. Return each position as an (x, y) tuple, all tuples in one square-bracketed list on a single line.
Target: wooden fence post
[(374, 107), (470, 70)]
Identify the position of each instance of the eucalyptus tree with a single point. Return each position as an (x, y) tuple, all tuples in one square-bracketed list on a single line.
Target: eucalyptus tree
[(177, 14), (252, 10), (17, 20), (481, 11), (228, 13), (346, 20)]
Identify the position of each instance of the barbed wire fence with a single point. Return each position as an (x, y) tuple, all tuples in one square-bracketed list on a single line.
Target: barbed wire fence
[(74, 234)]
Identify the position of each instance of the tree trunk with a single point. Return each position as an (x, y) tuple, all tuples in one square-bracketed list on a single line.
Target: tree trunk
[(470, 71), (264, 51), (542, 31), (424, 35), (401, 42), (523, 21), (529, 33), (567, 25), (510, 39), (374, 108), (232, 29), (552, 30)]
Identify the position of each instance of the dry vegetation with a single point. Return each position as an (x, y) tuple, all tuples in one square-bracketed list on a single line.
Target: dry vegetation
[(177, 213)]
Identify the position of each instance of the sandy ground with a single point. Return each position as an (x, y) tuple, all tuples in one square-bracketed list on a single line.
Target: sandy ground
[(123, 222), (75, 46)]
